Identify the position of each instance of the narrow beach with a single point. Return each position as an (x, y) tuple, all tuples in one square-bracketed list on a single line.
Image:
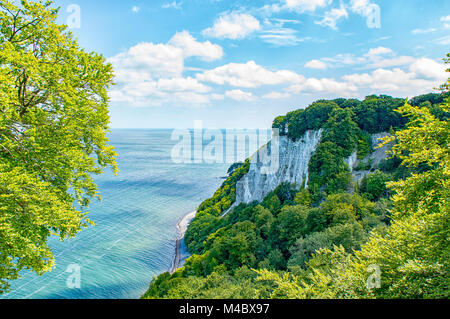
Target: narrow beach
[(182, 226)]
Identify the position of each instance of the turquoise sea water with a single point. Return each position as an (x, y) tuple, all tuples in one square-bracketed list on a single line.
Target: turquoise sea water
[(135, 232)]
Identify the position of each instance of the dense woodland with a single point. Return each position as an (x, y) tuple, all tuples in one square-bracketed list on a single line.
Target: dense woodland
[(325, 240)]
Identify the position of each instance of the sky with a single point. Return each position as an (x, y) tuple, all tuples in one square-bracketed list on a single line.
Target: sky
[(239, 64)]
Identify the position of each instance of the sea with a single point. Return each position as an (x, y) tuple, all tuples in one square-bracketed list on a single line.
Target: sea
[(135, 233)]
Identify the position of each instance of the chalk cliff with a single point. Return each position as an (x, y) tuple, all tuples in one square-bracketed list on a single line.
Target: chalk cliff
[(292, 166)]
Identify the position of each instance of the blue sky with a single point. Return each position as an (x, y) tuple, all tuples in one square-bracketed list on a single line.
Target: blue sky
[(238, 64)]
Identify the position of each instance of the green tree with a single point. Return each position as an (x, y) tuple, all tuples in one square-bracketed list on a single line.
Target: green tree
[(374, 187), (414, 254), (377, 114), (303, 197), (53, 124), (290, 225)]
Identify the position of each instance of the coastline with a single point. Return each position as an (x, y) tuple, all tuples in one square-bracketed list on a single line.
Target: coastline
[(182, 226)]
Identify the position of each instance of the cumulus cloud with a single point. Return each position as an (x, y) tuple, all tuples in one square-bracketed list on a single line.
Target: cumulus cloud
[(325, 85), (316, 64), (149, 59), (248, 75), (422, 75), (393, 74), (378, 51), (239, 95), (383, 80), (429, 69), (152, 74), (163, 60), (191, 47), (382, 57), (251, 75), (233, 26)]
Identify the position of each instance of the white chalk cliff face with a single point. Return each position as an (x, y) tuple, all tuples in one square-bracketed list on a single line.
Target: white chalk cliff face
[(291, 166)]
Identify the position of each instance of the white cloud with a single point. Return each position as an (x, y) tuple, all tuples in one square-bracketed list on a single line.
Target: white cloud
[(248, 75), (382, 79), (191, 47), (391, 62), (147, 60), (422, 75), (377, 58), (378, 51), (135, 9), (152, 74), (313, 85), (306, 5), (233, 26), (239, 95), (429, 69), (316, 64), (332, 17), (150, 60)]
